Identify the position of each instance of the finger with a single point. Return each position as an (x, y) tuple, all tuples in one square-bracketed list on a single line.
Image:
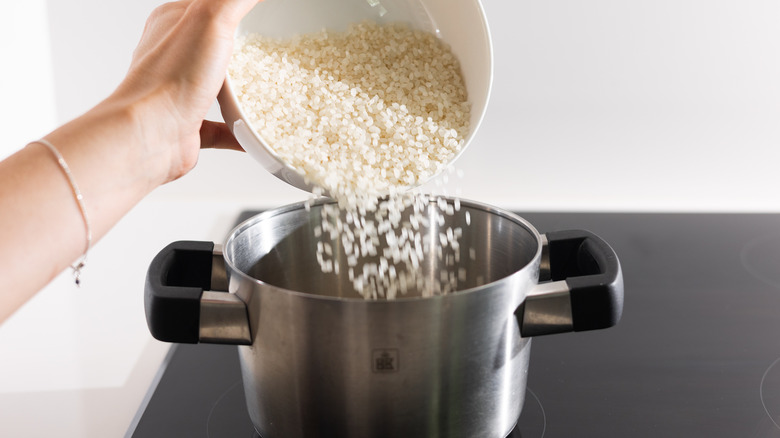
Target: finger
[(216, 135), (159, 23), (228, 11)]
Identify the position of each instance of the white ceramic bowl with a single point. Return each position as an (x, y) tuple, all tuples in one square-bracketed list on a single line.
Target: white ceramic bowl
[(460, 23)]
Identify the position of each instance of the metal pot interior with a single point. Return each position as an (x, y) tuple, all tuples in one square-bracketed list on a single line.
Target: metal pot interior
[(279, 248)]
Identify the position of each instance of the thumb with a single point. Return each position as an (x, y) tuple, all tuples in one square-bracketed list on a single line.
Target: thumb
[(216, 135)]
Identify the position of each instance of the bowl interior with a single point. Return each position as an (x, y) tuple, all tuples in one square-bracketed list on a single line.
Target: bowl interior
[(286, 18)]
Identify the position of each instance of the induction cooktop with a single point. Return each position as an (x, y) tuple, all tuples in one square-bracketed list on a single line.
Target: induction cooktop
[(696, 354)]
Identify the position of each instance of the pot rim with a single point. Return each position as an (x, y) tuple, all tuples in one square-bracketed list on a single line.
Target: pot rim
[(256, 219)]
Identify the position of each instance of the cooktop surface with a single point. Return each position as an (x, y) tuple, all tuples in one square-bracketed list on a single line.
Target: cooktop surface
[(696, 354)]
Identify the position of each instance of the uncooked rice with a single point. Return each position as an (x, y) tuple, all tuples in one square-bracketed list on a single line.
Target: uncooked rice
[(364, 115)]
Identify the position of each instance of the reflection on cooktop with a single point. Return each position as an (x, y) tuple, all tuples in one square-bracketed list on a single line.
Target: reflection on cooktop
[(770, 392), (533, 421), (760, 257)]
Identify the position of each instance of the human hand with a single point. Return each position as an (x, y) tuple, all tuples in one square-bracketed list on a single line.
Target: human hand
[(175, 75)]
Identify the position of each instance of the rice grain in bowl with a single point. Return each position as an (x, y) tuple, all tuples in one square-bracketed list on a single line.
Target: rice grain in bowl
[(377, 130)]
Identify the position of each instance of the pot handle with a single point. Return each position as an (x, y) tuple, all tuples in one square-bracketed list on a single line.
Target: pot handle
[(179, 300), (585, 291)]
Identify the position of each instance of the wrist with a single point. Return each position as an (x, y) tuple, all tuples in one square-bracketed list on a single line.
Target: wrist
[(108, 146)]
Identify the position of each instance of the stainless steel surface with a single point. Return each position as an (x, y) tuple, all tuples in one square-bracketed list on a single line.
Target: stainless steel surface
[(219, 280), (326, 362), (547, 310), (223, 319), (223, 316), (545, 273)]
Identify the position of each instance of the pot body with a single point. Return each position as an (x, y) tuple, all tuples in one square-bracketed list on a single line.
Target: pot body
[(319, 360), (448, 367), (326, 362)]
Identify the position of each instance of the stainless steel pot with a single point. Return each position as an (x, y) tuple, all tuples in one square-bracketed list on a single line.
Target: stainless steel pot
[(318, 360)]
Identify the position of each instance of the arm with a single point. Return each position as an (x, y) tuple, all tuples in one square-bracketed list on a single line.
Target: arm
[(148, 132)]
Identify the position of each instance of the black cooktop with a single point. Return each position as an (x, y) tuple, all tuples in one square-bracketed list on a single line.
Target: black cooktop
[(697, 353)]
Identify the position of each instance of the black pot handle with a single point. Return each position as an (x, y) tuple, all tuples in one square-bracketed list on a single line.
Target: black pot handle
[(181, 304), (175, 282), (592, 271), (586, 288)]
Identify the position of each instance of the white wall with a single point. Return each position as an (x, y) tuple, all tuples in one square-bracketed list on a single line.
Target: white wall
[(663, 104), (26, 80), (597, 105)]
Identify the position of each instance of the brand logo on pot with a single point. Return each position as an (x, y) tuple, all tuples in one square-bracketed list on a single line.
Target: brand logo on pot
[(384, 361)]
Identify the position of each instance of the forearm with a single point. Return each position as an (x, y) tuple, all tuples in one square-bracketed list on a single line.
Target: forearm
[(41, 226)]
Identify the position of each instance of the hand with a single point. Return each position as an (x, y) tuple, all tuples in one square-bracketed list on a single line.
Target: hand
[(175, 75)]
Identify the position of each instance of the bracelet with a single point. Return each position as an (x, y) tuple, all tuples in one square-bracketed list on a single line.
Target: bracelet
[(79, 265)]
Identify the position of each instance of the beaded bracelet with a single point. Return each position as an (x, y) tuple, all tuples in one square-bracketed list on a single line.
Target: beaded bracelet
[(79, 265)]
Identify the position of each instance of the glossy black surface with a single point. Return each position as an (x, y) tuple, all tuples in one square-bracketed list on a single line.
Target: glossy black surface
[(697, 353)]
